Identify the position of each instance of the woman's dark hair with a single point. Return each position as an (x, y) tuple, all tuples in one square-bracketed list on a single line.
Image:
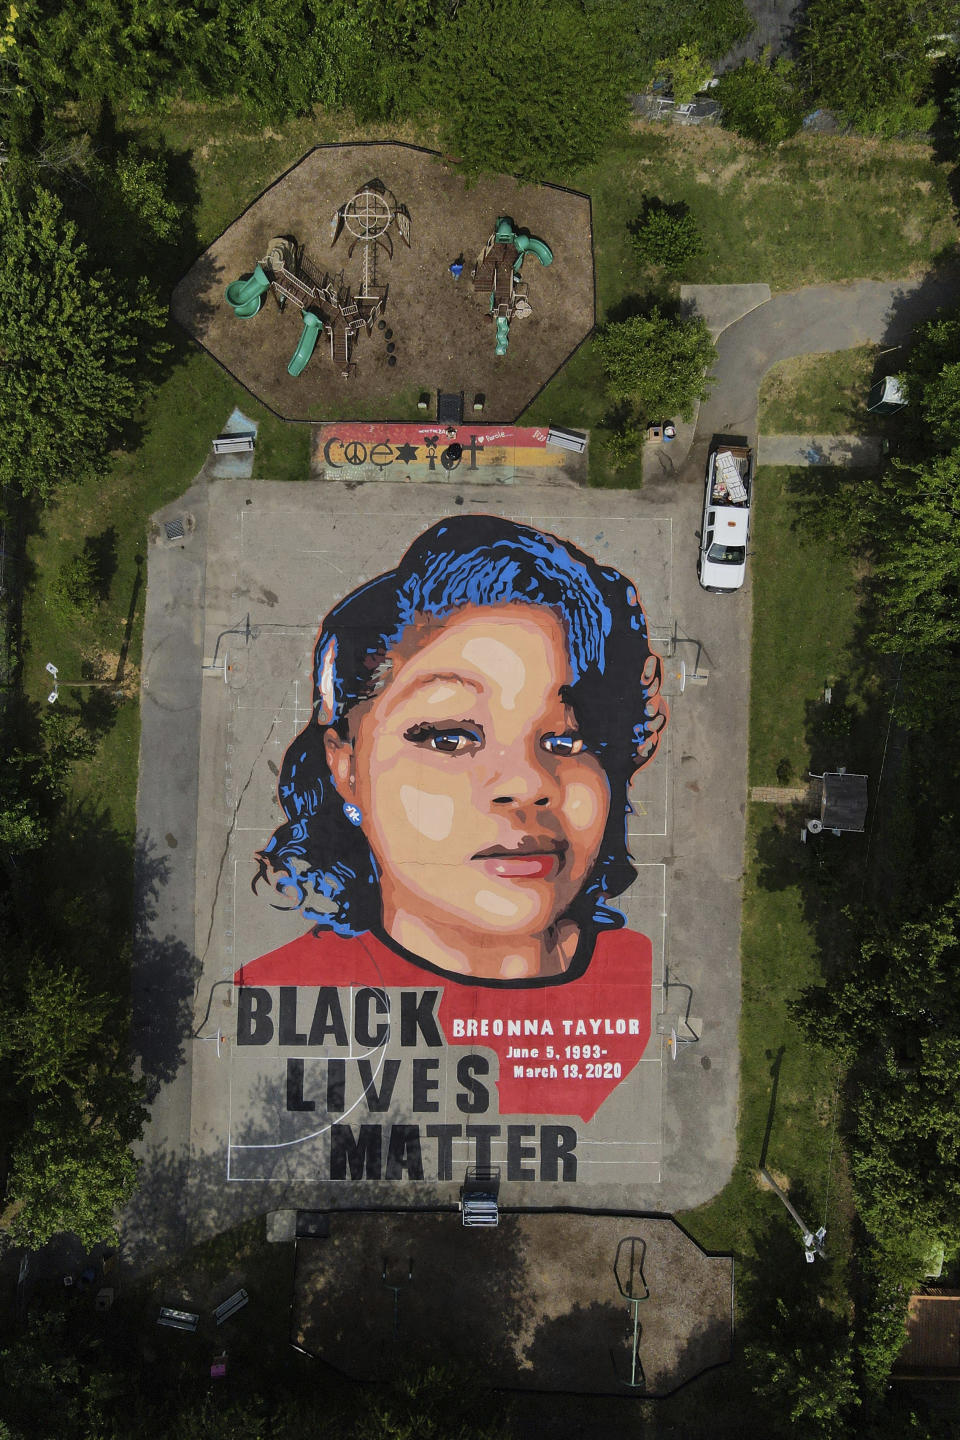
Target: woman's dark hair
[(317, 856)]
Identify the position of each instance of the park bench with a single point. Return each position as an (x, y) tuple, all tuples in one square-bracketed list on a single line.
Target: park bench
[(230, 1306), (479, 1210), (566, 439), (479, 1195), (232, 444), (178, 1319)]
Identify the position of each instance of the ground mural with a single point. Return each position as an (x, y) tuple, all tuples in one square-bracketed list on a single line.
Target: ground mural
[(453, 813)]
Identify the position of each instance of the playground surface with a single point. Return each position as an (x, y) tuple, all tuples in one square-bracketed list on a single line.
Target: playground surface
[(533, 1304), (442, 337)]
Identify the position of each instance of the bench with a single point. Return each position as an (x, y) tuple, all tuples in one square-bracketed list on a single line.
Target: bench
[(230, 1306), (178, 1319), (231, 444), (566, 439), (479, 1210)]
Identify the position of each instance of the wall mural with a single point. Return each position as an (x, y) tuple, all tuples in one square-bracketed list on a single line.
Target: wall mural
[(454, 836)]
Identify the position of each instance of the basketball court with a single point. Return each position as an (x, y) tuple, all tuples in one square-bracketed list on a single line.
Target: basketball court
[(314, 1095)]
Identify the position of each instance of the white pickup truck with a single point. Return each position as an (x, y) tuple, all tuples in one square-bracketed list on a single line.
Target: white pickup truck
[(726, 518)]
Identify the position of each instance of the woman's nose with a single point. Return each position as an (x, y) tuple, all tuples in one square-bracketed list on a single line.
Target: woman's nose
[(522, 780)]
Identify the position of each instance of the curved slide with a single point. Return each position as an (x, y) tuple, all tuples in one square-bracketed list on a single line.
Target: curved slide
[(312, 325), (530, 244), (246, 296)]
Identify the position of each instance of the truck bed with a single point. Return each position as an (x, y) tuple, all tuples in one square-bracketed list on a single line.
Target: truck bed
[(730, 481)]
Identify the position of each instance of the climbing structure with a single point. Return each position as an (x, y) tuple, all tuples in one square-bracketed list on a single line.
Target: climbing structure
[(497, 274), (368, 216), (325, 302)]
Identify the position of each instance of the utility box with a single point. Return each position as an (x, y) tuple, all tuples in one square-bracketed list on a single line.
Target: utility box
[(886, 397)]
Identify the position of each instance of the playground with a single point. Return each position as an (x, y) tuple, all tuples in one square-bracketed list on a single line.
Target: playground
[(370, 277), (595, 1304)]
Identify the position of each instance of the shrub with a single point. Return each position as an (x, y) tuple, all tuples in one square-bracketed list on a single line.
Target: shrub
[(623, 445), (761, 101), (75, 589), (665, 235)]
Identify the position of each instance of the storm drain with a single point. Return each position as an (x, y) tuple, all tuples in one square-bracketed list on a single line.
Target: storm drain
[(174, 529)]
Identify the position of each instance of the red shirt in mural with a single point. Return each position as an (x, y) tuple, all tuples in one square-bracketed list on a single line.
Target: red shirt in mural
[(563, 1045)]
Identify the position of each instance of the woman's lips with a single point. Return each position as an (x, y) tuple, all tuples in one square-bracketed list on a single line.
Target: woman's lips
[(525, 862), (521, 867)]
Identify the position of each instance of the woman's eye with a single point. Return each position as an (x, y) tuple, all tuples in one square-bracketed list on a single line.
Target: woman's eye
[(451, 742), (446, 742), (563, 744)]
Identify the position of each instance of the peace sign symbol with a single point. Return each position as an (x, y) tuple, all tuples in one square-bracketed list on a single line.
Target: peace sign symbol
[(355, 452)]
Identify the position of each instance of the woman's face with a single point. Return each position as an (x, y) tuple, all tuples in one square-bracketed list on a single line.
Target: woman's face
[(483, 809)]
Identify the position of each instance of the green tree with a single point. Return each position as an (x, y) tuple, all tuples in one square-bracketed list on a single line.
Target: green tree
[(933, 381), (804, 1371), (71, 1173), (656, 363), (894, 1019), (660, 28), (73, 349), (665, 235), (913, 516), (761, 101), (687, 72)]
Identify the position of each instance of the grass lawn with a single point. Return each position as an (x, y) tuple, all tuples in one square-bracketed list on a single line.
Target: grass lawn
[(817, 209), (110, 513), (822, 394), (804, 608)]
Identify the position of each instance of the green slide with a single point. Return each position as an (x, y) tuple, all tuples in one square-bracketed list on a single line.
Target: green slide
[(506, 235), (246, 296), (312, 325), (503, 335), (529, 243)]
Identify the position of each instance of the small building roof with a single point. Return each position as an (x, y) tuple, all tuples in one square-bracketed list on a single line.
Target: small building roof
[(844, 802), (932, 1347)]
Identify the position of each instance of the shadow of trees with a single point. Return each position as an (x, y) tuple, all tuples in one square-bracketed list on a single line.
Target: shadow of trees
[(165, 974)]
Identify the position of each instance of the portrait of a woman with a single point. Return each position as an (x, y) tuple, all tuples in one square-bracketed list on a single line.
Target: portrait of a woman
[(455, 811)]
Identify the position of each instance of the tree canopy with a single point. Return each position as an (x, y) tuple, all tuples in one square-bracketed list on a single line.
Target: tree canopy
[(72, 341), (761, 100), (656, 363), (865, 57)]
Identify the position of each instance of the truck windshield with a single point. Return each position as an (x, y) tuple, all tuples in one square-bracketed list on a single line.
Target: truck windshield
[(726, 554)]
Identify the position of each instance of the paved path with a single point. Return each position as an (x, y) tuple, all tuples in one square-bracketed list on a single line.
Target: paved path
[(811, 321)]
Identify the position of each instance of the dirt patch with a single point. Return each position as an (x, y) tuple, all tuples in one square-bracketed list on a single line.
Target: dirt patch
[(442, 335), (532, 1304)]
